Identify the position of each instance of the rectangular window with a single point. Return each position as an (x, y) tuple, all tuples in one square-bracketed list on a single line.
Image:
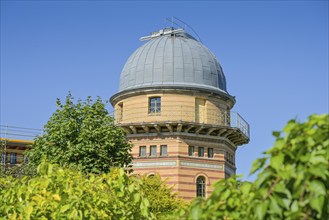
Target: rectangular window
[(210, 152), (200, 151), (12, 158), (155, 105), (190, 150), (3, 158), (142, 151), (163, 150), (153, 151)]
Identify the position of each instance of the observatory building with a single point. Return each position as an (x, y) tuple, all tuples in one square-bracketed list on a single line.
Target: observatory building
[(174, 106)]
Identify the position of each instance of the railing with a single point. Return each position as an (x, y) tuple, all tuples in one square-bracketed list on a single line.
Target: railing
[(6, 158), (8, 134), (214, 116), (12, 132), (238, 122)]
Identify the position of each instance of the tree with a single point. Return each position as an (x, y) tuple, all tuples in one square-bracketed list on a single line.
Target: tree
[(82, 135), (293, 179)]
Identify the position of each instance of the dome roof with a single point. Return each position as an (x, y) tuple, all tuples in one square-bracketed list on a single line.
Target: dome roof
[(172, 58)]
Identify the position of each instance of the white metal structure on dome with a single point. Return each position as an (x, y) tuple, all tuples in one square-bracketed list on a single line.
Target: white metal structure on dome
[(165, 31)]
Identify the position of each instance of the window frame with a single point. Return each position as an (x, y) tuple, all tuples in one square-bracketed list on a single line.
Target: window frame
[(200, 153), (156, 109), (151, 176), (4, 158), (151, 153), (210, 155), (140, 151), (191, 152), (13, 158), (161, 150), (201, 186)]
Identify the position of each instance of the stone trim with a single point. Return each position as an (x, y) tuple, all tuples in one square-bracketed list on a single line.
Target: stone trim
[(201, 165), (155, 164)]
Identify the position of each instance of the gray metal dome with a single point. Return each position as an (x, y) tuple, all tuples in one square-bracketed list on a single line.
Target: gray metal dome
[(172, 58)]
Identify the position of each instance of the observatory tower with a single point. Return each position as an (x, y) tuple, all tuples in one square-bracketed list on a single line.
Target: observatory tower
[(175, 108)]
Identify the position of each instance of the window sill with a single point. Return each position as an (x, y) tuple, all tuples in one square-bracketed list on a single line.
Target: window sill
[(154, 114), (152, 156)]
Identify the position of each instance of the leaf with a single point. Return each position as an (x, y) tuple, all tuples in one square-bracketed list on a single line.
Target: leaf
[(281, 190), (245, 188), (65, 208), (196, 211), (230, 202), (274, 207), (136, 197), (28, 210), (317, 172), (257, 164), (317, 203), (262, 177), (317, 187), (277, 161), (261, 210), (294, 206), (226, 194), (57, 197), (276, 134), (318, 159)]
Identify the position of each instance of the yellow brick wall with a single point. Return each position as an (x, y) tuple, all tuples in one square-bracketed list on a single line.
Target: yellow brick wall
[(174, 107)]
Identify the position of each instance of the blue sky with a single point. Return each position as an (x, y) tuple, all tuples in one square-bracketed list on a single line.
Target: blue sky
[(274, 55)]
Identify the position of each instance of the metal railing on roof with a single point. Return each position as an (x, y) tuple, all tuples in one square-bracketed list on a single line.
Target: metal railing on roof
[(20, 133)]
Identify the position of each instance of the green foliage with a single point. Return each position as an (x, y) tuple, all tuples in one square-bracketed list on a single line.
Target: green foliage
[(163, 202), (82, 135), (17, 170), (230, 200), (61, 193), (292, 183), (293, 180)]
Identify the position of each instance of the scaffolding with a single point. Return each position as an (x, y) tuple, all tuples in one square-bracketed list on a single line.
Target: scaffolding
[(15, 134)]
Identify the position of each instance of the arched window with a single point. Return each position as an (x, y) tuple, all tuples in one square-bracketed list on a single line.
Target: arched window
[(201, 186), (151, 176)]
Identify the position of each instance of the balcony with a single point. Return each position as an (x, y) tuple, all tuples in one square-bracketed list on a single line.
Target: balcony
[(187, 119)]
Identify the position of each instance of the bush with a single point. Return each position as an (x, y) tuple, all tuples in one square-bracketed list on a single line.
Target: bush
[(59, 193), (163, 202), (293, 180)]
